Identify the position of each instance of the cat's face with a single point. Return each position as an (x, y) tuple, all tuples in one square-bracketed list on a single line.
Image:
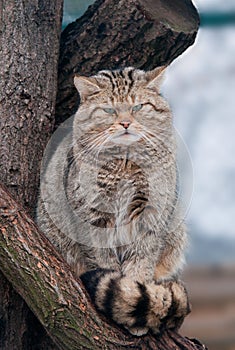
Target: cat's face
[(122, 107)]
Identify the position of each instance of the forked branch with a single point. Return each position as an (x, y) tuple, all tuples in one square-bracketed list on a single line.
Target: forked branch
[(57, 298)]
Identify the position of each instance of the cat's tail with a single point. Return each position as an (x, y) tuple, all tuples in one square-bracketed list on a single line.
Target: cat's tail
[(134, 305)]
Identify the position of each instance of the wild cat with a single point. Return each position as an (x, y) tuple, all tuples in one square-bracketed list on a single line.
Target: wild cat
[(108, 200)]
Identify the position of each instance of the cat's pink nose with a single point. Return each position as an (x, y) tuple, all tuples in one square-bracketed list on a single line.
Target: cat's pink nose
[(125, 124)]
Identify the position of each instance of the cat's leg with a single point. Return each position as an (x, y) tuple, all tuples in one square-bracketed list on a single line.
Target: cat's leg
[(164, 273), (180, 307), (136, 306), (167, 270)]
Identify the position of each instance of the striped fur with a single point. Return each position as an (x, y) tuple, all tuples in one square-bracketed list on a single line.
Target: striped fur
[(137, 306), (108, 200)]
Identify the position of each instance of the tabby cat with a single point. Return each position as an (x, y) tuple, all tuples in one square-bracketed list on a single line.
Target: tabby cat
[(109, 201)]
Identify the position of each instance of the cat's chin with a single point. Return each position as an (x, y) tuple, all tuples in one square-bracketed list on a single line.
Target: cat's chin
[(126, 139)]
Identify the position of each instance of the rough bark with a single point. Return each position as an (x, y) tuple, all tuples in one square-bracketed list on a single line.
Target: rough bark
[(44, 280), (29, 42), (113, 34), (29, 46)]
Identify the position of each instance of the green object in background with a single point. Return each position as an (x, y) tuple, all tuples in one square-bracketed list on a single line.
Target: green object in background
[(74, 9), (216, 19)]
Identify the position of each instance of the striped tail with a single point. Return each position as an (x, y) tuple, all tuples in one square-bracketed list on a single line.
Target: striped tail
[(137, 306)]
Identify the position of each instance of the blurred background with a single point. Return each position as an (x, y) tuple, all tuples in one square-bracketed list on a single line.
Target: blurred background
[(200, 86)]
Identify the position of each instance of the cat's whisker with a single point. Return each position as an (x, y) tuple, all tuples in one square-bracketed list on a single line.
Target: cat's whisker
[(95, 144), (151, 138), (158, 136), (157, 128), (150, 141), (109, 137), (91, 138), (88, 148), (95, 141), (147, 139)]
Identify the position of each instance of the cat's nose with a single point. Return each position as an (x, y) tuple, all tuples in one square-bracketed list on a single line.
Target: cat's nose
[(125, 124)]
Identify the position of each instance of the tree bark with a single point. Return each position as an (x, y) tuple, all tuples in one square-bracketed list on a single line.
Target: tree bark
[(114, 34), (56, 297), (29, 47), (28, 84), (29, 40)]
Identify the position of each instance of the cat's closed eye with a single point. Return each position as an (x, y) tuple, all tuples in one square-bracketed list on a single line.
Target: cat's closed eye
[(137, 107), (110, 110)]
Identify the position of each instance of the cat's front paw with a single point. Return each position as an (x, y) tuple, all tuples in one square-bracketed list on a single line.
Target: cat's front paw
[(130, 306), (140, 307), (160, 301), (180, 306)]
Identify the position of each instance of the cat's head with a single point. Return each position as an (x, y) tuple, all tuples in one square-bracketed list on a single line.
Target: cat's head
[(122, 106)]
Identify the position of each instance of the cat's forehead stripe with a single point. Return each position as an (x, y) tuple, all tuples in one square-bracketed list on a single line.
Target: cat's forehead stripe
[(121, 81), (130, 76), (110, 78)]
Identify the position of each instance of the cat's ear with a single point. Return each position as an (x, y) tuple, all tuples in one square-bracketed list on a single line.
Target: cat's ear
[(86, 86), (154, 78)]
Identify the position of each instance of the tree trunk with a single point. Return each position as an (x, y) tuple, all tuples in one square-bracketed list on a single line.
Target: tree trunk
[(58, 300), (28, 84), (110, 35), (114, 34), (29, 45)]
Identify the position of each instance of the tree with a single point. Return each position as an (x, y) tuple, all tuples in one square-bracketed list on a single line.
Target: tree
[(30, 33), (29, 39)]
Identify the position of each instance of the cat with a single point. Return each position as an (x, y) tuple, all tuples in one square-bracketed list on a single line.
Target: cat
[(109, 203)]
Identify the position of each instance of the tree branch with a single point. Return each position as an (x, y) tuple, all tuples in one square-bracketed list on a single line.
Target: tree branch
[(46, 283), (114, 34)]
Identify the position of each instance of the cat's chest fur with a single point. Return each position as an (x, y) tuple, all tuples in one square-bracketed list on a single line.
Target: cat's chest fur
[(119, 194), (108, 186)]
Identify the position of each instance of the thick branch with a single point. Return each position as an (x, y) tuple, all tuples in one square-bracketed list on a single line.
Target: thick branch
[(58, 300), (113, 34)]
